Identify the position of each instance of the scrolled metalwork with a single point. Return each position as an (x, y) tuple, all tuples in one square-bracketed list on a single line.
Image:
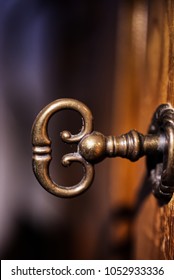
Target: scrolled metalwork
[(93, 147), (42, 147)]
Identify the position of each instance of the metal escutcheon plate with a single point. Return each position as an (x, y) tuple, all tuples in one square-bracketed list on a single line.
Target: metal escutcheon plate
[(161, 167)]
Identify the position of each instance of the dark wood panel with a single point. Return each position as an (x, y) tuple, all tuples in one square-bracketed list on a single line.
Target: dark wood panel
[(144, 79)]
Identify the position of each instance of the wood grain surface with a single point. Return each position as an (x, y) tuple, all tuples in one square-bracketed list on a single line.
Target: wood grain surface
[(144, 79)]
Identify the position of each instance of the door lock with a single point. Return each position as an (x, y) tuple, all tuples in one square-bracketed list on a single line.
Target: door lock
[(93, 147)]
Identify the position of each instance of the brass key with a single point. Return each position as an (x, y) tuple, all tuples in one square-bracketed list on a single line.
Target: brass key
[(93, 147)]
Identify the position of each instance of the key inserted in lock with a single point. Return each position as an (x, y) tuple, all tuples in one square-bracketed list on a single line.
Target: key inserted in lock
[(93, 147)]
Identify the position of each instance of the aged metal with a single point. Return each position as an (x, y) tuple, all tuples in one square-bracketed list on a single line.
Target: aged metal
[(42, 147), (93, 147), (161, 167)]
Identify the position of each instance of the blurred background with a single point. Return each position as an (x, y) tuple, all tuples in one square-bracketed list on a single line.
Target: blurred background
[(94, 51)]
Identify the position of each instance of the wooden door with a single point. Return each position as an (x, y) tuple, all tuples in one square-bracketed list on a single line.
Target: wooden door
[(118, 58), (144, 79)]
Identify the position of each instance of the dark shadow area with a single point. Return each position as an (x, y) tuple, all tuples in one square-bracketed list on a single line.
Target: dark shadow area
[(32, 242), (50, 50)]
